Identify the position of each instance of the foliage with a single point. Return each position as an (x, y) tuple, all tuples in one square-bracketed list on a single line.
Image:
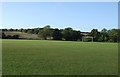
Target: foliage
[(45, 32), (71, 35), (103, 35), (95, 34), (3, 35), (56, 34), (112, 35), (67, 33), (9, 36)]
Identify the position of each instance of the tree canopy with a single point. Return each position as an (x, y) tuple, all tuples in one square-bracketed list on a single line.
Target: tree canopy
[(67, 34)]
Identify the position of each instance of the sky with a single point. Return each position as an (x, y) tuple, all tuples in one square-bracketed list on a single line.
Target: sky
[(83, 16), (59, 0)]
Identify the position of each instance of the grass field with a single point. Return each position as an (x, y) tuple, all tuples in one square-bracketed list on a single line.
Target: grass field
[(0, 57), (40, 57)]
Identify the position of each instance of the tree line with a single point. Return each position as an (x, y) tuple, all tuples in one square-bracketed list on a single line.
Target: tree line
[(68, 34), (4, 36)]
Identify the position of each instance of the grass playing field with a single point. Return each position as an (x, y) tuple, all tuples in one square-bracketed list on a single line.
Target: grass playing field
[(0, 57), (43, 57)]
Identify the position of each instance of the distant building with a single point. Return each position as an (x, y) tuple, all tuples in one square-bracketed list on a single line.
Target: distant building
[(85, 35)]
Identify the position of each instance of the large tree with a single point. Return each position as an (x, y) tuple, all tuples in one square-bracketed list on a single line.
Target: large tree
[(56, 34), (67, 33), (75, 35), (95, 33), (3, 35), (103, 35), (45, 32), (113, 35), (70, 34)]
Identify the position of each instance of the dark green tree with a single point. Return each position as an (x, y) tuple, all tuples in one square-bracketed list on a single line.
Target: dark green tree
[(21, 30), (95, 34), (15, 37), (113, 35), (67, 33), (103, 35), (45, 33), (71, 35), (56, 34), (75, 35), (36, 30), (3, 35), (11, 29)]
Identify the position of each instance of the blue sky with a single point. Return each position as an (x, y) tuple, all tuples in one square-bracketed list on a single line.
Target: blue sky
[(82, 16)]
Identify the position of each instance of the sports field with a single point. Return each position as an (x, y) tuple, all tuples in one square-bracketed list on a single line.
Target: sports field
[(0, 57), (43, 57)]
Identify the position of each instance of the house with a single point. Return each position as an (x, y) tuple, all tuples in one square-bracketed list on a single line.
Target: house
[(85, 35)]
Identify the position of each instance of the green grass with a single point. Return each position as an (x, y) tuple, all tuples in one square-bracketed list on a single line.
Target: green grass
[(40, 57), (0, 57)]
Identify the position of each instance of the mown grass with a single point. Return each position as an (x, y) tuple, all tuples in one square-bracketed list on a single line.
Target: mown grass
[(40, 57), (0, 57)]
